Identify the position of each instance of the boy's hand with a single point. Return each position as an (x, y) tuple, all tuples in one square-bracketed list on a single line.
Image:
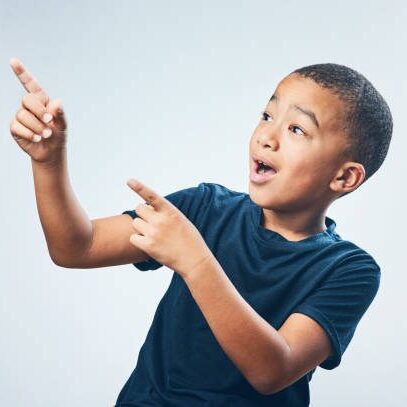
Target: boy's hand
[(165, 233), (39, 126)]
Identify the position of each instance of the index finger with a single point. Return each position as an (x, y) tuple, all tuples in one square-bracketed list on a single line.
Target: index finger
[(150, 196), (30, 84)]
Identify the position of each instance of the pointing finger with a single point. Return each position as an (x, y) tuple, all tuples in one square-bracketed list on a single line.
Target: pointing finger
[(30, 84), (150, 196)]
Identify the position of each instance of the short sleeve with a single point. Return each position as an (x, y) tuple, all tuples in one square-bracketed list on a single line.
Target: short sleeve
[(189, 201), (340, 302)]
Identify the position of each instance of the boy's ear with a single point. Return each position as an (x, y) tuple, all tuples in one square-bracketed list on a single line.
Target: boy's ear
[(348, 178)]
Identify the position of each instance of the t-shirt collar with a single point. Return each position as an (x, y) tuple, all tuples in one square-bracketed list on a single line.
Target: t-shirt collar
[(265, 235)]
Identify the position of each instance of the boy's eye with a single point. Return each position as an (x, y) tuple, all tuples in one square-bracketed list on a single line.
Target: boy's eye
[(266, 116), (299, 128)]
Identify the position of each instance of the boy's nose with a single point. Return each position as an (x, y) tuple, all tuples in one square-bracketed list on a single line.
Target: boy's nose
[(268, 139)]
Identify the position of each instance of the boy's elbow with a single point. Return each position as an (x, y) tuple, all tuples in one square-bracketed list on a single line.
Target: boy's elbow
[(269, 387), (61, 262), (57, 261), (275, 380), (266, 389)]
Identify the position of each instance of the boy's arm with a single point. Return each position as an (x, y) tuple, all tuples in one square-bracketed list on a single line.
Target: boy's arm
[(110, 245), (270, 359), (73, 240), (40, 128), (67, 228)]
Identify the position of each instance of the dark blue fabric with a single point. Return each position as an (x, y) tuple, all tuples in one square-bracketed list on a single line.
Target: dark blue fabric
[(323, 276)]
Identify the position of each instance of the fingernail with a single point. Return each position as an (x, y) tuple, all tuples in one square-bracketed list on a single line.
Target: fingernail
[(46, 133), (37, 138), (47, 117)]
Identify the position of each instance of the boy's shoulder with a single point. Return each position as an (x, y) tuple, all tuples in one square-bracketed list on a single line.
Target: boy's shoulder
[(353, 255), (221, 189), (207, 190), (221, 192), (205, 194)]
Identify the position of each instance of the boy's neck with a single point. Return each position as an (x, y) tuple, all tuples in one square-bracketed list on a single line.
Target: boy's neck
[(296, 226)]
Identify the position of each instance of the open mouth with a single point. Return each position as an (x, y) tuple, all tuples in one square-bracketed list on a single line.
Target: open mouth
[(262, 168), (261, 172)]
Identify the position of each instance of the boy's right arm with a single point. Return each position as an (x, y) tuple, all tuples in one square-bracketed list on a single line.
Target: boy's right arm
[(110, 244), (39, 128), (73, 240)]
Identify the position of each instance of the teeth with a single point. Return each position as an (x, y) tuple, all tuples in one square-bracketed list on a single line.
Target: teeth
[(261, 162)]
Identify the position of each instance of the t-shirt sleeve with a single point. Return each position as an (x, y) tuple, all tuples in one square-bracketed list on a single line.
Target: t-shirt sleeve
[(340, 302), (189, 201)]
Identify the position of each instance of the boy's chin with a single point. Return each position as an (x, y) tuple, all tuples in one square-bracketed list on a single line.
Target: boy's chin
[(262, 199)]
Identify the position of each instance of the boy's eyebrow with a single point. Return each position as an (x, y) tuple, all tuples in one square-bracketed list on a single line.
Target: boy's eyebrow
[(309, 113)]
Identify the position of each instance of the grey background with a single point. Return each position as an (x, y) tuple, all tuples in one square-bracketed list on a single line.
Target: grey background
[(170, 93)]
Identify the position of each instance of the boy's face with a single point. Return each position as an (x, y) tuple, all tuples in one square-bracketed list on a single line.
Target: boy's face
[(306, 155)]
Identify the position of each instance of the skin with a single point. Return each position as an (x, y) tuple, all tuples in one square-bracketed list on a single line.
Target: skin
[(309, 159)]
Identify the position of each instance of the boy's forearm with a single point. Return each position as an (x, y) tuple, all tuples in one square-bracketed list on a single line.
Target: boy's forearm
[(66, 226), (255, 347)]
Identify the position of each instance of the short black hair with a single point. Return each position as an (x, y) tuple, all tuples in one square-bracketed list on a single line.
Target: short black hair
[(368, 122)]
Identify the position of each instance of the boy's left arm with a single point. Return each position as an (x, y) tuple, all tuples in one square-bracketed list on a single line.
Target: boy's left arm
[(270, 359)]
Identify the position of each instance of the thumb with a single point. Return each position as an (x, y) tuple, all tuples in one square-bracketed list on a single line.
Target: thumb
[(55, 108)]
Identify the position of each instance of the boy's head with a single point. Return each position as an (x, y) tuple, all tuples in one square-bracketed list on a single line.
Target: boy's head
[(326, 130)]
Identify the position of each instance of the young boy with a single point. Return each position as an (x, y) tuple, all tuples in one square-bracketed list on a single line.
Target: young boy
[(264, 288)]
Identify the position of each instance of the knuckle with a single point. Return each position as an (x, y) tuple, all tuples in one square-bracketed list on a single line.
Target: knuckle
[(21, 114), (152, 199), (42, 98), (139, 206), (26, 99), (13, 126), (149, 242), (160, 222), (173, 214), (154, 234)]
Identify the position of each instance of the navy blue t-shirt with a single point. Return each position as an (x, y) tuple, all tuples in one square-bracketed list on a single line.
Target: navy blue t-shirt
[(323, 276)]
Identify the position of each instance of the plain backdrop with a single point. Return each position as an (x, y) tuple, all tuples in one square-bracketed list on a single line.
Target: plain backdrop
[(170, 93)]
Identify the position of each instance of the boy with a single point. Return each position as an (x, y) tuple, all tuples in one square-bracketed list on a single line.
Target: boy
[(264, 289)]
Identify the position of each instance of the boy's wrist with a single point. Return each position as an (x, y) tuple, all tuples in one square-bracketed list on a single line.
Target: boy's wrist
[(51, 164)]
